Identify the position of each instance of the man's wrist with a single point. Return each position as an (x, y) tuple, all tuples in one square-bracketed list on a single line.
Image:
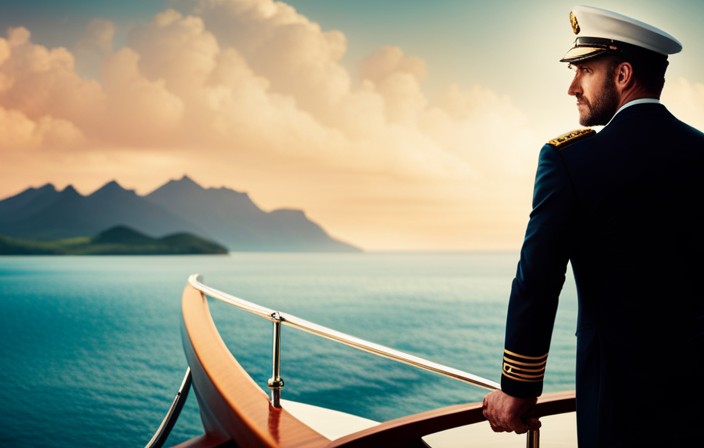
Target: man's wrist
[(518, 389)]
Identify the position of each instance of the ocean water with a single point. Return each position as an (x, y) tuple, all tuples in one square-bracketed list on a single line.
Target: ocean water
[(91, 355)]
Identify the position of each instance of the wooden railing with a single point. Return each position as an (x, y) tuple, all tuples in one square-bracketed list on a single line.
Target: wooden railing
[(235, 409)]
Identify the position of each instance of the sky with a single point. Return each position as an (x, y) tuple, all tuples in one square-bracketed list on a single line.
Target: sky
[(396, 125)]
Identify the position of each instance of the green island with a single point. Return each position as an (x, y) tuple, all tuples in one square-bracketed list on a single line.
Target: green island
[(118, 240)]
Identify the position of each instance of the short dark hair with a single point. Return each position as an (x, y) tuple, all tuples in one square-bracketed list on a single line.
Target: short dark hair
[(648, 68)]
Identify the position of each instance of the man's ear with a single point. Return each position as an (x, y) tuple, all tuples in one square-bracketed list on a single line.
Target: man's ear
[(624, 75)]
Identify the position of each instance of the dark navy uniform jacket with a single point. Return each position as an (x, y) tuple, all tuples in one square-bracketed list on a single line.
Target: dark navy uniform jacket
[(625, 207)]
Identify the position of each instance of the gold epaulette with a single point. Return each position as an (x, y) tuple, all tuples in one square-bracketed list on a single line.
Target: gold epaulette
[(529, 369), (571, 137)]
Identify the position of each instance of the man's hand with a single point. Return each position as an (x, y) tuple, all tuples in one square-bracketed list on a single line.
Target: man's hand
[(504, 413)]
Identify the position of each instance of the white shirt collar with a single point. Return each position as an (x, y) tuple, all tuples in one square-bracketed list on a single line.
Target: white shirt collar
[(635, 102)]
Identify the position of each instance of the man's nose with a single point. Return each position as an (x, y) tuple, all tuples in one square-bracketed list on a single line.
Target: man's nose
[(575, 88)]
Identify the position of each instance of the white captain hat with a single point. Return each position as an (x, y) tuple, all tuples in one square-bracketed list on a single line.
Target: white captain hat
[(600, 31)]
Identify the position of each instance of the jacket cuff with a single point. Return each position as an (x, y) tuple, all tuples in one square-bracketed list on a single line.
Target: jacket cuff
[(522, 376)]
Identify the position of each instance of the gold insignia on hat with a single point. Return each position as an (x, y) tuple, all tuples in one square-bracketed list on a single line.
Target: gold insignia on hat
[(600, 31), (575, 24)]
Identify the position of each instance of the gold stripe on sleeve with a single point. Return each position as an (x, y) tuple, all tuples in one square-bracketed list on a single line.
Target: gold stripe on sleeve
[(532, 364), (523, 369), (522, 379), (516, 371), (525, 357)]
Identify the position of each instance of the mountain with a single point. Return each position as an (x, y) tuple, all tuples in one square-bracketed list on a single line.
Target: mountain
[(27, 203), (233, 219), (66, 214), (119, 240), (218, 214)]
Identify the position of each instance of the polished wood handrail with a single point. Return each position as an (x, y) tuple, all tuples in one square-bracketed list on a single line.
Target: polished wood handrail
[(406, 431), (234, 407)]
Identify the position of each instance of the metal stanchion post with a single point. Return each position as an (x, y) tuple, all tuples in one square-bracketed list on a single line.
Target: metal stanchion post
[(276, 382), (533, 438)]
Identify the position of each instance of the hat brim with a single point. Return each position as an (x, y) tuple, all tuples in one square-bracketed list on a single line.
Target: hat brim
[(577, 54)]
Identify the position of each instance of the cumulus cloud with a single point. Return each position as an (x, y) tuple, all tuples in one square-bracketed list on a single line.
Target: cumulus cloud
[(38, 81), (98, 38), (686, 100), (388, 61), (485, 129), (96, 44), (139, 110), (32, 81), (17, 132), (293, 53), (255, 76), (397, 78), (242, 81)]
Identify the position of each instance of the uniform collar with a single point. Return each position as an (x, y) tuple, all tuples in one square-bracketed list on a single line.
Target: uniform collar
[(635, 103)]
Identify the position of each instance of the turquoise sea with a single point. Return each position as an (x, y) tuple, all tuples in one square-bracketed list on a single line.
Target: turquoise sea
[(91, 354)]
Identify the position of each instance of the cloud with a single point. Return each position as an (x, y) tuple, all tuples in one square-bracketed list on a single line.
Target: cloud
[(38, 82), (98, 38), (686, 100), (388, 61), (293, 53), (484, 129), (18, 132), (94, 47), (260, 79), (251, 86), (397, 78), (138, 111), (32, 79)]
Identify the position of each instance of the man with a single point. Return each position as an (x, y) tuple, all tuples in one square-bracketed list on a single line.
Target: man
[(623, 206)]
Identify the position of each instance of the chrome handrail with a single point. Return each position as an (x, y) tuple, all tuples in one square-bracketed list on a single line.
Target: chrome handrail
[(162, 433), (360, 344)]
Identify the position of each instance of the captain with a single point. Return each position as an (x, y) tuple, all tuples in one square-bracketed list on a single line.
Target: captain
[(623, 207)]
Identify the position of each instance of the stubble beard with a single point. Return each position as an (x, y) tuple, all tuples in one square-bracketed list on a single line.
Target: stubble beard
[(603, 107)]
